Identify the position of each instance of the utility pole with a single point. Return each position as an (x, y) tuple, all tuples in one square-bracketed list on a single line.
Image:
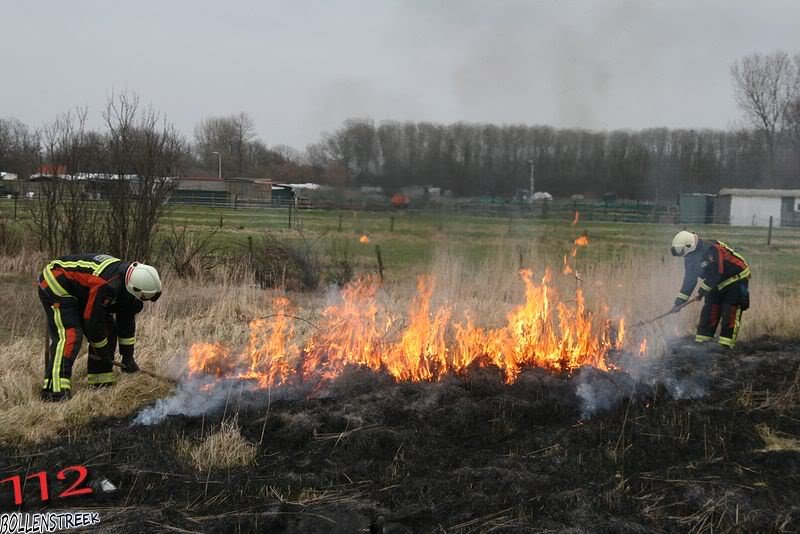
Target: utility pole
[(532, 190), (219, 168)]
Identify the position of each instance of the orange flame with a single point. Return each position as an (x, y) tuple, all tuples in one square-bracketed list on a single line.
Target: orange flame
[(567, 268), (577, 218), (542, 331), (363, 239), (580, 241)]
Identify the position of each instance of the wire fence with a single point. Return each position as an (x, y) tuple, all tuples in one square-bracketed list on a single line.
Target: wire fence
[(289, 209)]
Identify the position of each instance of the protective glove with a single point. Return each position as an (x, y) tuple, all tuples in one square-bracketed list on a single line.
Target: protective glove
[(675, 308), (129, 364), (744, 297)]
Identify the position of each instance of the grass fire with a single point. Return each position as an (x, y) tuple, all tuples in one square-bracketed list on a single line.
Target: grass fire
[(400, 267), (426, 344)]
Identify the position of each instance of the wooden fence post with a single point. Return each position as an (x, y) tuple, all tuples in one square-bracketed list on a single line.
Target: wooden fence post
[(769, 232), (380, 260)]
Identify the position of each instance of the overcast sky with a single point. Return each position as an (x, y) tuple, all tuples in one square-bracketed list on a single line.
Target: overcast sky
[(301, 67)]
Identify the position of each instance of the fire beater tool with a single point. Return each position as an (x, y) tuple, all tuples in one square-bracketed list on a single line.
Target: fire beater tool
[(94, 357), (670, 312)]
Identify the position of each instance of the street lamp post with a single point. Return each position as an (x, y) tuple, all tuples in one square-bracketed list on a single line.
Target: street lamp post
[(531, 189), (219, 158)]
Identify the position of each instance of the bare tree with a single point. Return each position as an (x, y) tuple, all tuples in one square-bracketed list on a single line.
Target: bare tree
[(765, 85), (19, 148), (143, 153), (62, 216), (792, 121), (231, 137)]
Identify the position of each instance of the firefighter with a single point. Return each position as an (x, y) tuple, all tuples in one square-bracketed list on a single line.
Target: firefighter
[(96, 296), (724, 276)]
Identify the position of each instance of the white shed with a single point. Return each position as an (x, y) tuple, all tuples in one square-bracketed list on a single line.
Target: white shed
[(754, 207)]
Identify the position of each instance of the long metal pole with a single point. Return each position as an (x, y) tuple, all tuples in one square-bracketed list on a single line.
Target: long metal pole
[(532, 189)]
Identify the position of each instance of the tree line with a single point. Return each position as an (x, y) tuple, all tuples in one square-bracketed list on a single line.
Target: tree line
[(654, 164), (468, 159)]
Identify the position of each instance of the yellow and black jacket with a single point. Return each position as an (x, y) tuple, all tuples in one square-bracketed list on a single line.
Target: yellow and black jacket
[(96, 283), (716, 264)]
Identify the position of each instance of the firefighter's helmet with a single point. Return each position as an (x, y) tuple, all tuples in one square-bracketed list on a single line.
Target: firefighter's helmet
[(684, 243), (142, 281)]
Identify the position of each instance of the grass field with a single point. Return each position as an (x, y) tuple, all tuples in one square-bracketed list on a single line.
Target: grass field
[(670, 459), (474, 261), (417, 235), (409, 239)]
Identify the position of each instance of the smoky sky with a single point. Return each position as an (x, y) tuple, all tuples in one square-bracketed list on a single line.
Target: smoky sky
[(301, 67)]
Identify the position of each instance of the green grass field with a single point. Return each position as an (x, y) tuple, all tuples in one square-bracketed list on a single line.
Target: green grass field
[(416, 235), (410, 242)]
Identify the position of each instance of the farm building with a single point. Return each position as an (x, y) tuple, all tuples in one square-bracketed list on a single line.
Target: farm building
[(754, 207), (696, 208), (200, 190), (241, 192)]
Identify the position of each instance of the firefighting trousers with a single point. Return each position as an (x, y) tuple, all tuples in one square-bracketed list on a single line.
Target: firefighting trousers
[(721, 308), (65, 332)]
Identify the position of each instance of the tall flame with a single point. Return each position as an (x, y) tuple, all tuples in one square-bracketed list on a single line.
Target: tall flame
[(542, 331)]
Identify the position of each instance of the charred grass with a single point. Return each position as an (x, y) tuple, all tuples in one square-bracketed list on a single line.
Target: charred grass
[(468, 454)]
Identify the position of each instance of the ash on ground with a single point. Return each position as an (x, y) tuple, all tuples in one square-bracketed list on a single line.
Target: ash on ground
[(473, 454)]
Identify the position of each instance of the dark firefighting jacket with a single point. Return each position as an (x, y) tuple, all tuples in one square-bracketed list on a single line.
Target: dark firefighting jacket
[(717, 266), (96, 282)]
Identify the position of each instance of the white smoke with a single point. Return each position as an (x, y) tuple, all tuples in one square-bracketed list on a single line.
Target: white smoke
[(194, 396), (204, 395), (684, 375)]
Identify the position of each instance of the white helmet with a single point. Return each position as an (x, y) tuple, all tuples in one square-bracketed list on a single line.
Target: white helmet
[(683, 243), (142, 281)]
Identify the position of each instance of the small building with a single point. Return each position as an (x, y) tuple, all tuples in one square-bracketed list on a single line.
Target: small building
[(283, 194), (241, 187), (200, 190), (755, 207), (696, 208)]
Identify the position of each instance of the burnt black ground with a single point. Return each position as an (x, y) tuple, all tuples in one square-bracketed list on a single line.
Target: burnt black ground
[(468, 454)]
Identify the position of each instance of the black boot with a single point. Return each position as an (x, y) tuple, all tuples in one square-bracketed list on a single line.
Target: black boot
[(53, 396)]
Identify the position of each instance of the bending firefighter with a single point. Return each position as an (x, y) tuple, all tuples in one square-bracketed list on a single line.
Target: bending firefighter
[(97, 296), (724, 278)]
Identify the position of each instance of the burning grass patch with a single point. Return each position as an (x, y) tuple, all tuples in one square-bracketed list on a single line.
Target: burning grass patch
[(224, 448)]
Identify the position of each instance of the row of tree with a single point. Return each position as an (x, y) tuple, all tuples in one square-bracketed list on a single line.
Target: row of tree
[(468, 159), (474, 159), (485, 159)]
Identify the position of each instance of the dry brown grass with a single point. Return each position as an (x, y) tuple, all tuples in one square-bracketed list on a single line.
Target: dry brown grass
[(220, 307), (775, 441), (223, 449)]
